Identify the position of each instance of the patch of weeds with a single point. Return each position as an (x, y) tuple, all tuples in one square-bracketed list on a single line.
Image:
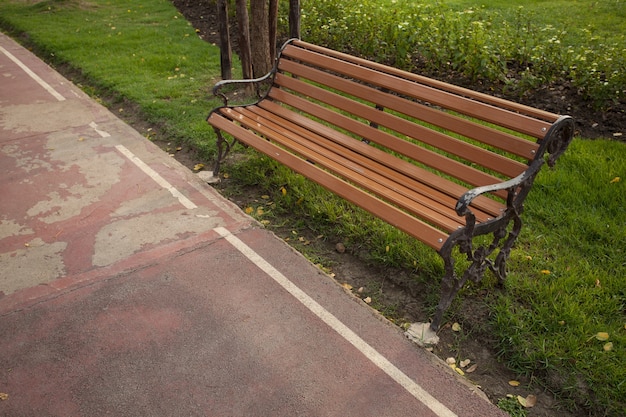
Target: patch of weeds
[(512, 406)]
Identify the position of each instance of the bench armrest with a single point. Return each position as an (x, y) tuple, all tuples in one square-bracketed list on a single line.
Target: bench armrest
[(462, 206), (247, 84), (554, 144)]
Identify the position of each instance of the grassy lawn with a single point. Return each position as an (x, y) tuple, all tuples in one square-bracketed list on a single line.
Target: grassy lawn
[(562, 316)]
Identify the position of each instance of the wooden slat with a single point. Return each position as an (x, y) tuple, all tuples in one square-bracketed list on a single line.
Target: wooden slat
[(381, 77), (459, 148), (429, 158), (364, 176), (389, 179), (486, 98), (489, 136), (394, 216), (443, 190)]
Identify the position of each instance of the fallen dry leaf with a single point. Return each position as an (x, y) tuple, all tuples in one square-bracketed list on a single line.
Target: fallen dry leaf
[(514, 383), (456, 327), (367, 300), (198, 167), (464, 363), (471, 368), (608, 346), (527, 402), (346, 286), (4, 396)]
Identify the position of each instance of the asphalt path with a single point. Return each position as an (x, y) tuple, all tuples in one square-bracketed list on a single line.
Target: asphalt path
[(129, 287)]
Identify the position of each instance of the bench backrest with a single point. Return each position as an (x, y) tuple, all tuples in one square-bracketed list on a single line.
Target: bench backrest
[(472, 137)]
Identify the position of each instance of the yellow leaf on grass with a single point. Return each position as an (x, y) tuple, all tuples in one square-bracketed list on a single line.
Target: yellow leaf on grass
[(346, 286), (614, 180), (198, 167), (249, 210), (283, 190), (546, 271), (456, 327), (608, 346), (514, 383), (602, 336)]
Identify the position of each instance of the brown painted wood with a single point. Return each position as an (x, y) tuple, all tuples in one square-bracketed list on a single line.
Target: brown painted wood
[(354, 166), (383, 77), (406, 169), (462, 126), (394, 216), (424, 156), (486, 98), (459, 148)]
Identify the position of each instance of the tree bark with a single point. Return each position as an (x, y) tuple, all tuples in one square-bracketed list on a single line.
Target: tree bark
[(243, 21), (225, 49), (294, 19), (259, 28), (273, 29)]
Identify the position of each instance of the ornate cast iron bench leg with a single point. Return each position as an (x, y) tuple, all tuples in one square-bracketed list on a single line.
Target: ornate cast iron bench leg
[(503, 241)]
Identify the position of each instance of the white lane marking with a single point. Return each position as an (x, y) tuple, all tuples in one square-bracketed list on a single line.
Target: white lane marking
[(32, 75), (102, 133), (156, 177), (344, 331)]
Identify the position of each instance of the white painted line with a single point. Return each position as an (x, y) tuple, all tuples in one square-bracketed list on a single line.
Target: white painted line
[(32, 75), (344, 331), (156, 177), (102, 133)]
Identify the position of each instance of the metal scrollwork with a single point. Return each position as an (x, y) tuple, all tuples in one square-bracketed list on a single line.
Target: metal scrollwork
[(505, 229)]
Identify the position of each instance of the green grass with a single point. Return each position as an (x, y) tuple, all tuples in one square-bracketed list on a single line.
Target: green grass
[(144, 54)]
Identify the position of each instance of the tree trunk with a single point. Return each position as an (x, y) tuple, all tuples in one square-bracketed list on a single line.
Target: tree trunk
[(225, 49), (273, 28), (259, 28), (294, 19), (243, 22)]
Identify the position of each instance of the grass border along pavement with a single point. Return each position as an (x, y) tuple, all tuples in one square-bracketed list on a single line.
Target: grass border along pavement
[(561, 319), (142, 53)]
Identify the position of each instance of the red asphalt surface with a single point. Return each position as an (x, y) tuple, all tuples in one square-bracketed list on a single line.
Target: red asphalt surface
[(128, 287)]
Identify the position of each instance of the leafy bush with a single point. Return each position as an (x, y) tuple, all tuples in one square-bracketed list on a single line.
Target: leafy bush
[(512, 48)]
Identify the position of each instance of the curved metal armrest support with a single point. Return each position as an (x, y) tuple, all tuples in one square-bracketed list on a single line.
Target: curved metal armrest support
[(462, 206), (554, 144), (255, 81)]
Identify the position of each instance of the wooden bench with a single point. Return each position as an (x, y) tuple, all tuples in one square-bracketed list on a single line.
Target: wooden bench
[(442, 163)]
